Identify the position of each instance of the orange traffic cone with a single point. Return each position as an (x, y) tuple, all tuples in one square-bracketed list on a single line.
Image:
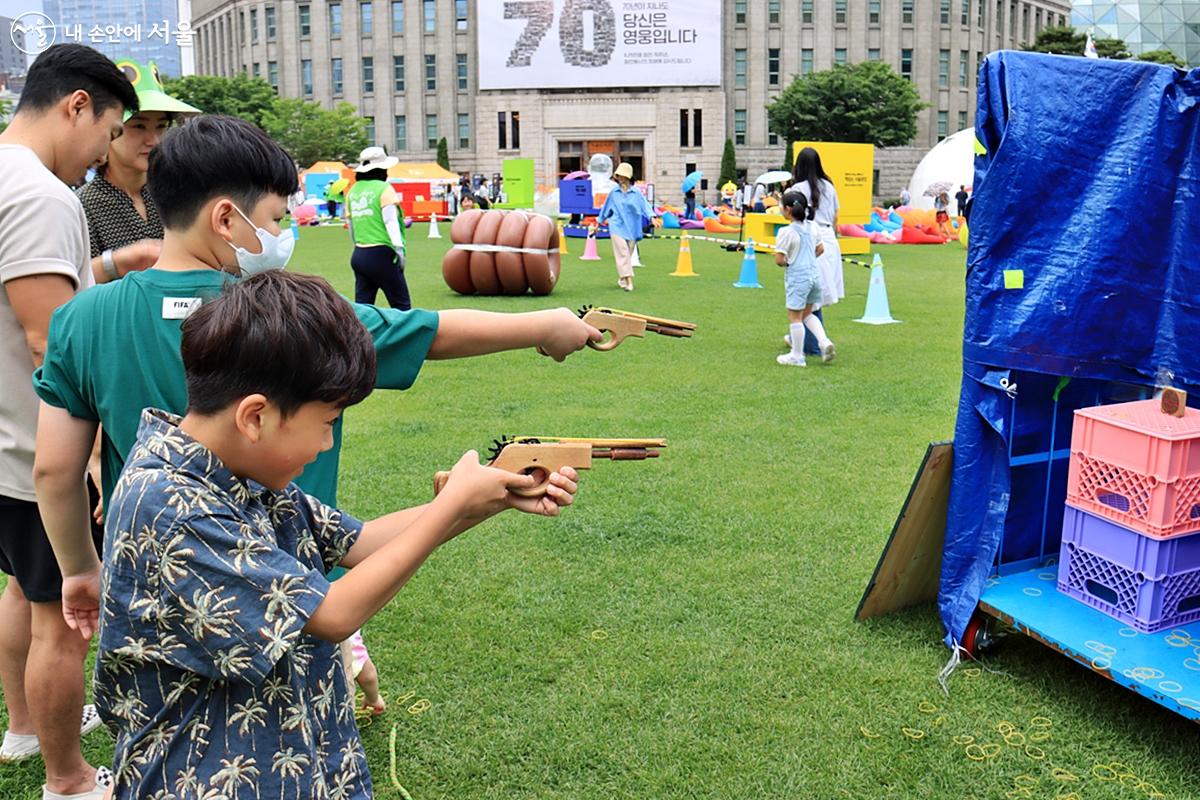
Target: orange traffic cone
[(589, 250), (683, 265), (562, 241)]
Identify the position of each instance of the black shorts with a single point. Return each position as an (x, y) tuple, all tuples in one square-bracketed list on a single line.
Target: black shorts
[(25, 552)]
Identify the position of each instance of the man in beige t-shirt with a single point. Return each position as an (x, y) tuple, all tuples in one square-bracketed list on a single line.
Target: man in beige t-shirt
[(71, 108)]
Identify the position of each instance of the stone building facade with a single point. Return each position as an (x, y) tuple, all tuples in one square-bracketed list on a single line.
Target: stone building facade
[(410, 67)]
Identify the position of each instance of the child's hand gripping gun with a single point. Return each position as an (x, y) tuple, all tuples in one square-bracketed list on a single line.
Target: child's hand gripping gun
[(621, 324), (540, 456)]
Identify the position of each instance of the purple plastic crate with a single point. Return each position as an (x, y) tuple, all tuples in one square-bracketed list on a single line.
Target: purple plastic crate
[(1153, 558), (1149, 584)]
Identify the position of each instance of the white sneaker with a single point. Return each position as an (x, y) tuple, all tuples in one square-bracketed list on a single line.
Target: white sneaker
[(99, 790), (791, 360), (827, 352), (20, 746)]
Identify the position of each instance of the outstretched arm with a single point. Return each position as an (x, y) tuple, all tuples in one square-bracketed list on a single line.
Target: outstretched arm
[(466, 332), (391, 549)]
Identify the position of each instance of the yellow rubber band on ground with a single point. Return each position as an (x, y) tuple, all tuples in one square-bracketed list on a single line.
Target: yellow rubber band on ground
[(396, 781), (926, 707), (971, 751), (913, 733), (1103, 772), (863, 729), (1036, 753)]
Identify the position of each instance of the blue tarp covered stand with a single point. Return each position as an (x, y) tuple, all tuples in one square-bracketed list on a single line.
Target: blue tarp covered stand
[(1089, 197)]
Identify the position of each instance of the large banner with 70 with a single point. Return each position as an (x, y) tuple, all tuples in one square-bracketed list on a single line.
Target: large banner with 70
[(563, 44)]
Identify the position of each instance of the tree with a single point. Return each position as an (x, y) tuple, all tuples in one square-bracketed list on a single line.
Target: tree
[(1067, 41), (5, 110), (443, 154), (240, 96), (311, 133), (1161, 57), (865, 102), (789, 161), (728, 164)]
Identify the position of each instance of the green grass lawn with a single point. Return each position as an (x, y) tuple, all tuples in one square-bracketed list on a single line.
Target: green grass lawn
[(685, 630)]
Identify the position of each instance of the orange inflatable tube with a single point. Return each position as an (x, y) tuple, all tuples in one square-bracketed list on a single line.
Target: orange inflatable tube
[(510, 267), (456, 265), (514, 271), (713, 226), (541, 271), (483, 264)]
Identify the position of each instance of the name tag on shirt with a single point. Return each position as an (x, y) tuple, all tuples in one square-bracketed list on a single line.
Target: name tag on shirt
[(179, 307)]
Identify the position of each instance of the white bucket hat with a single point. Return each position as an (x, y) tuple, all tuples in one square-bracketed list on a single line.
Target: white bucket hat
[(375, 158), (624, 170)]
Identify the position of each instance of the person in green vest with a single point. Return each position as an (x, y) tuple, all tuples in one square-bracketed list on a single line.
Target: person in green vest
[(221, 185), (377, 226), (333, 196)]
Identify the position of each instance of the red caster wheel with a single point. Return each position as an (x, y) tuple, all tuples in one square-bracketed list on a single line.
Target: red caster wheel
[(980, 636)]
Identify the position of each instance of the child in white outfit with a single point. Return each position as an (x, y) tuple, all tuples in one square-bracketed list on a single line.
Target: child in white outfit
[(796, 250)]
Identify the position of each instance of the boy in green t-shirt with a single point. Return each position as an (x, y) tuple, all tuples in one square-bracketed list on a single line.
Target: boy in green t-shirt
[(221, 187)]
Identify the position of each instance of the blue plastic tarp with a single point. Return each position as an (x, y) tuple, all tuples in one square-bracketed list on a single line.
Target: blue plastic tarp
[(1084, 262)]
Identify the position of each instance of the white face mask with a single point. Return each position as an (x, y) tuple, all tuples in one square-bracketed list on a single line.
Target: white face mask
[(275, 254)]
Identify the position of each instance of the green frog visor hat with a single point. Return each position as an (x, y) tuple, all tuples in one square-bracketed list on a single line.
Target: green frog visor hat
[(148, 85)]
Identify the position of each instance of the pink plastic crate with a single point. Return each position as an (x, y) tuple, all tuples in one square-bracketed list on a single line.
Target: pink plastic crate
[(1137, 466), (1148, 584)]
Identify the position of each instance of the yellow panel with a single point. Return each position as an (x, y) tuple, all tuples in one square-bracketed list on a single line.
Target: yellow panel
[(851, 168)]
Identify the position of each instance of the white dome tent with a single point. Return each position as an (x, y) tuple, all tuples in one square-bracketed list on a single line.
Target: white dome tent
[(951, 160)]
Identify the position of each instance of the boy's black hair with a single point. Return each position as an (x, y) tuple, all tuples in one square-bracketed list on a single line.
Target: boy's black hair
[(798, 205), (65, 68), (215, 156), (287, 336), (373, 175)]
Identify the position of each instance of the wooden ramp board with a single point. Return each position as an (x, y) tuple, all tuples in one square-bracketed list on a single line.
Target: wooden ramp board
[(911, 561)]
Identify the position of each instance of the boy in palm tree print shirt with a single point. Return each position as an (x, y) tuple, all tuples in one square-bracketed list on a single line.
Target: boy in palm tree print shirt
[(218, 666), (202, 663)]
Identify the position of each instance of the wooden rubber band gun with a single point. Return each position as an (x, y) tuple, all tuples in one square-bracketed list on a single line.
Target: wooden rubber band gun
[(541, 455), (621, 324)]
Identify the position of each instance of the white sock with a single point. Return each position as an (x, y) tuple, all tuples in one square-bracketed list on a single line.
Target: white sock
[(818, 330), (797, 333)]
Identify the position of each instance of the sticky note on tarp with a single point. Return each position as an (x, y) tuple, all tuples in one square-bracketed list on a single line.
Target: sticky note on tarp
[(1014, 279)]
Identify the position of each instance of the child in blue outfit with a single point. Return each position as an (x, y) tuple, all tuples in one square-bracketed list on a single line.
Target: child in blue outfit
[(796, 250)]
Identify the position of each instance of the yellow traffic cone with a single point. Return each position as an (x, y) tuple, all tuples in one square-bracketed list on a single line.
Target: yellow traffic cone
[(562, 240), (683, 266)]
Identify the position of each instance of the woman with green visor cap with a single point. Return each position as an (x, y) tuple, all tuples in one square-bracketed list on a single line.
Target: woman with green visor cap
[(126, 233)]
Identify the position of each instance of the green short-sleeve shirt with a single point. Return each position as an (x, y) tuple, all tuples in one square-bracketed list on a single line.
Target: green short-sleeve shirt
[(114, 350)]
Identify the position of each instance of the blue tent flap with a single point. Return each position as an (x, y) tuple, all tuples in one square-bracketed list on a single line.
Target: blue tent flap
[(1088, 197)]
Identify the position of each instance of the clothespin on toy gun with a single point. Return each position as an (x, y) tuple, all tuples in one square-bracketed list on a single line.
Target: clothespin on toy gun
[(541, 455), (620, 324)]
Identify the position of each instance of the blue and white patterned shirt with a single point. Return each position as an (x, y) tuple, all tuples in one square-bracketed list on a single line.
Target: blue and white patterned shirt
[(203, 672)]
